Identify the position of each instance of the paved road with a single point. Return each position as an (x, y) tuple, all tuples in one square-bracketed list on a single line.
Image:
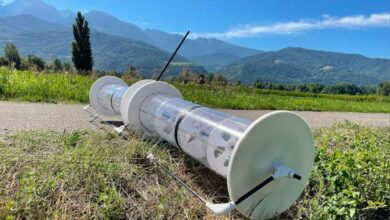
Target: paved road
[(58, 117)]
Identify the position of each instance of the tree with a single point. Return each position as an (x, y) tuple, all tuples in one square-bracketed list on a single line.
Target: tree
[(81, 46), (67, 67), (209, 78), (3, 61), (219, 80), (12, 55), (36, 62), (133, 72), (184, 75), (384, 88), (57, 65)]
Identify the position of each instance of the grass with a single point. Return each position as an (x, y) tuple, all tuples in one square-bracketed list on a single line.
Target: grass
[(234, 97), (44, 87), (88, 175)]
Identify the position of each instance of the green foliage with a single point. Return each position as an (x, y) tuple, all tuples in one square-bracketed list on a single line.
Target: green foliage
[(12, 56), (88, 175), (57, 66), (67, 67), (72, 139), (36, 63), (43, 87), (3, 62), (132, 73), (350, 177), (219, 80), (339, 88), (384, 88), (81, 46)]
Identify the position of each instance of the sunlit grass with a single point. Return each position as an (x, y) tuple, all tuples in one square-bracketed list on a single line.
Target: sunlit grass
[(59, 87)]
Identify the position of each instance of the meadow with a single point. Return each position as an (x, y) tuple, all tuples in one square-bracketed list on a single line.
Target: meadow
[(71, 88), (95, 175)]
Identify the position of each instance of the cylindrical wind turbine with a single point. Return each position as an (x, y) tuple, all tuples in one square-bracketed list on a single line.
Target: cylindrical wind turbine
[(267, 162)]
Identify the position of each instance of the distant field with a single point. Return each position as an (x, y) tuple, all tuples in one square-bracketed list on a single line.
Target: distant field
[(46, 175), (50, 87)]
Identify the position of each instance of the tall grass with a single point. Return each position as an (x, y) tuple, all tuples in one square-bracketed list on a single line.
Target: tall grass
[(43, 87), (53, 87)]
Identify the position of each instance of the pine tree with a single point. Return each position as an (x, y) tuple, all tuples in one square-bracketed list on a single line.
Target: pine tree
[(81, 46)]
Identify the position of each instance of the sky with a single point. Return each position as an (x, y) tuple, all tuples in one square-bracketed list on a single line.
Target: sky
[(351, 26)]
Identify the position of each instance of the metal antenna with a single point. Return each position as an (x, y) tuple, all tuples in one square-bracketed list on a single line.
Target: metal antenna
[(173, 55)]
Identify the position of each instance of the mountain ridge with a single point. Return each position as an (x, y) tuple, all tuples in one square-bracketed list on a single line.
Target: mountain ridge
[(298, 65), (107, 23), (30, 18), (25, 23), (105, 48)]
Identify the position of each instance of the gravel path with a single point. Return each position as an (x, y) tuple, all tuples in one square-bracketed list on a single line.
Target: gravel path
[(58, 117)]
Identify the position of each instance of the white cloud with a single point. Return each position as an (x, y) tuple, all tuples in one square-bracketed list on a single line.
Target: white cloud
[(5, 2), (327, 22)]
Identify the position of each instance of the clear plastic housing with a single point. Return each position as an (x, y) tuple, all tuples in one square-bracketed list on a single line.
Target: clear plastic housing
[(205, 134), (110, 97)]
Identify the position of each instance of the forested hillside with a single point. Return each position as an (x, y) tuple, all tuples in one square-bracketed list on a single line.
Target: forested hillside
[(299, 65), (110, 53)]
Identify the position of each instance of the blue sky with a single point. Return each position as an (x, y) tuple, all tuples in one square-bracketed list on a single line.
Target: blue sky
[(352, 26)]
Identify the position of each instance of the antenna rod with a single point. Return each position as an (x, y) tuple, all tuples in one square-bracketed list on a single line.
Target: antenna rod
[(173, 55)]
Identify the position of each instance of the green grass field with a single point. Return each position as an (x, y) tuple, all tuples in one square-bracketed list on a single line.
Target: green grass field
[(92, 175), (50, 87)]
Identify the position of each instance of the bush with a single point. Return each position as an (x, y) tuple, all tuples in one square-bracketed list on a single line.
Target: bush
[(350, 177), (3, 62), (36, 63), (384, 88), (57, 65)]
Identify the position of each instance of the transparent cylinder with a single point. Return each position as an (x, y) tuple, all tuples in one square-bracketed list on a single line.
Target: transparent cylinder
[(110, 97), (205, 134)]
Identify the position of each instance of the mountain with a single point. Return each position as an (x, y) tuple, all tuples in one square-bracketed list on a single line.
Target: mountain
[(216, 61), (197, 47), (203, 50), (25, 23), (298, 65), (210, 53), (106, 23), (38, 28), (109, 52), (37, 8)]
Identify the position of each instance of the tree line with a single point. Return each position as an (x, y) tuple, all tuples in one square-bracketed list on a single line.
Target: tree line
[(382, 88), (12, 59), (81, 53)]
